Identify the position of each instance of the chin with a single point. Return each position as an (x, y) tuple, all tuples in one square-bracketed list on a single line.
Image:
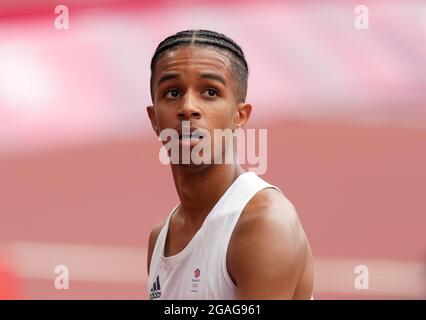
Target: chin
[(194, 166)]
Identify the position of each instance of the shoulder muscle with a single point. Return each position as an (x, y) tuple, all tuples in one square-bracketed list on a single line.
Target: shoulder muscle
[(267, 251)]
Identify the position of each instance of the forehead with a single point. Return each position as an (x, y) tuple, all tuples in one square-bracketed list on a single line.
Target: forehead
[(194, 58)]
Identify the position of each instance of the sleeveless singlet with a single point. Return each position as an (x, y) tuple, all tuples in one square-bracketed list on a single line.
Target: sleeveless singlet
[(199, 270)]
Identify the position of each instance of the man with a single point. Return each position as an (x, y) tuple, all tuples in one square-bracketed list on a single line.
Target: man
[(233, 236)]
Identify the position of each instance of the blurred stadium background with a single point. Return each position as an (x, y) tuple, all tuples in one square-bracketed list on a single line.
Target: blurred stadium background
[(80, 180)]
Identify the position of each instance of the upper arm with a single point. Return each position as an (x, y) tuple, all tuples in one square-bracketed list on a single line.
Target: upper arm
[(152, 240), (268, 249)]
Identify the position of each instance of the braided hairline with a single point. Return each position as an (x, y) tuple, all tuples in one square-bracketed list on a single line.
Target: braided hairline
[(205, 38), (195, 38)]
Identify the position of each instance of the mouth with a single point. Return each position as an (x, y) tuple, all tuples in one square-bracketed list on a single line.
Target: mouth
[(191, 134)]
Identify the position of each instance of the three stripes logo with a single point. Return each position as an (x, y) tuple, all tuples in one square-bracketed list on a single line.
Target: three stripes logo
[(155, 290)]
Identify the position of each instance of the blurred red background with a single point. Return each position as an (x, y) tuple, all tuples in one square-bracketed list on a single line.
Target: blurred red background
[(80, 180)]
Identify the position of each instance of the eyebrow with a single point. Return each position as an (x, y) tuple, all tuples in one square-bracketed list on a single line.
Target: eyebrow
[(205, 75), (213, 76), (167, 77)]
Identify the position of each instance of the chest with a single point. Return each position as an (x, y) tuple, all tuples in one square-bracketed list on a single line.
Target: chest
[(178, 237)]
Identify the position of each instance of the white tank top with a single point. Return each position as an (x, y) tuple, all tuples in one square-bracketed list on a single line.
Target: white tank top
[(199, 270)]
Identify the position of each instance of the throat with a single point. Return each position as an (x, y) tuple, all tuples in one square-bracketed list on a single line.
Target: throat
[(198, 193), (179, 235)]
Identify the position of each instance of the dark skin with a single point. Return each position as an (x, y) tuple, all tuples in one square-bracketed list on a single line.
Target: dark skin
[(197, 84)]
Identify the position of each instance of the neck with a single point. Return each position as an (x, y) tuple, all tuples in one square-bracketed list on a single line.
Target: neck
[(199, 188)]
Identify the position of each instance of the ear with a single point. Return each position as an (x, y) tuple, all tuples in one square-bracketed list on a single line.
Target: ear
[(242, 114), (151, 114)]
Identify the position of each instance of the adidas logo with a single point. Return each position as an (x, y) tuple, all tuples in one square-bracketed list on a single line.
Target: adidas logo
[(155, 290)]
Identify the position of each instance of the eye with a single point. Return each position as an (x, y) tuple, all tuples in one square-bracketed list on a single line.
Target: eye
[(172, 94), (210, 93)]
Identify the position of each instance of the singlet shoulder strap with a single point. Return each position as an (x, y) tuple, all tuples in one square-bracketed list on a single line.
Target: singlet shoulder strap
[(159, 243)]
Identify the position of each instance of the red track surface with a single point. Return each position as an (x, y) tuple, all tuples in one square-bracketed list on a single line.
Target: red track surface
[(359, 192)]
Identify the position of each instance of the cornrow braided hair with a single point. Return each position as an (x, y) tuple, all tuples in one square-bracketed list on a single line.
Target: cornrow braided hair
[(210, 39)]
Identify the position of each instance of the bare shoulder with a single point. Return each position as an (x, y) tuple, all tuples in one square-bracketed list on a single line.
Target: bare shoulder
[(153, 239), (268, 248), (270, 212), (270, 206)]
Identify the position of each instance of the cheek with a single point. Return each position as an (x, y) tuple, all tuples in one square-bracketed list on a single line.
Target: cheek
[(164, 114), (221, 117)]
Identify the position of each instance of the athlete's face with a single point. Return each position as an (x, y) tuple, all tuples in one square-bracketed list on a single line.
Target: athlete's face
[(196, 84)]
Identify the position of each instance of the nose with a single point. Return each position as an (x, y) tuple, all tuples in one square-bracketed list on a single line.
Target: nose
[(188, 109)]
